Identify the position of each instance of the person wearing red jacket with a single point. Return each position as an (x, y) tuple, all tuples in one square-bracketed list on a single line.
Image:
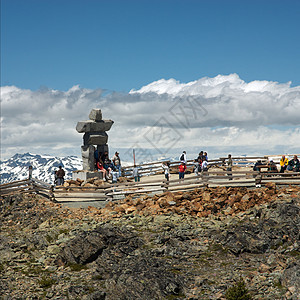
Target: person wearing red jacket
[(182, 168), (101, 169)]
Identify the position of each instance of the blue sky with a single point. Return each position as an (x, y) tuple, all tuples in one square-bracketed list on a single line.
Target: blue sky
[(120, 45), (143, 63)]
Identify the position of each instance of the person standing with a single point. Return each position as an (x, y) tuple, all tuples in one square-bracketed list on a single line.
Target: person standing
[(182, 168), (117, 163), (135, 173), (182, 157), (200, 160), (229, 166), (60, 176), (166, 168)]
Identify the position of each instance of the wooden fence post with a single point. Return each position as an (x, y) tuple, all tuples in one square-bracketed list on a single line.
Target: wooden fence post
[(205, 178), (30, 172), (258, 179)]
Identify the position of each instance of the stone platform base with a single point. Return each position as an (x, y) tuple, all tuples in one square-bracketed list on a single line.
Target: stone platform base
[(85, 175)]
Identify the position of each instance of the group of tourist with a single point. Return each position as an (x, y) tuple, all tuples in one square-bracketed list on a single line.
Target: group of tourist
[(109, 167), (284, 163), (289, 165), (200, 164)]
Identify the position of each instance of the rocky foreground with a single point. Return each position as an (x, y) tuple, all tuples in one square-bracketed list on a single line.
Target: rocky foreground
[(184, 245)]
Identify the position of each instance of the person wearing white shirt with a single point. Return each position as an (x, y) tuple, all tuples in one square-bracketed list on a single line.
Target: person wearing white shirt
[(166, 167), (204, 165), (182, 157)]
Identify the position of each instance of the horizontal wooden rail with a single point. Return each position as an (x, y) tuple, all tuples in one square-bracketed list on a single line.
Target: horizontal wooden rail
[(15, 190), (14, 183), (287, 174), (281, 178), (26, 186), (41, 183), (244, 158)]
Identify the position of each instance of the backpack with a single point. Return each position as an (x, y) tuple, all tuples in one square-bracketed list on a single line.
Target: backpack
[(182, 157)]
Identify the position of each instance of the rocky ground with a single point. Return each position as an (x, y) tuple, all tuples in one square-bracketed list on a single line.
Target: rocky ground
[(192, 245)]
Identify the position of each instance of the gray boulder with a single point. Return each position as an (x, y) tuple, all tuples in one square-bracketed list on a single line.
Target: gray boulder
[(95, 114), (95, 138), (88, 246), (88, 160), (291, 277), (91, 126)]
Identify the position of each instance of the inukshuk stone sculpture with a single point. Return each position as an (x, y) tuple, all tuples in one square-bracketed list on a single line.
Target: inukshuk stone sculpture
[(94, 135)]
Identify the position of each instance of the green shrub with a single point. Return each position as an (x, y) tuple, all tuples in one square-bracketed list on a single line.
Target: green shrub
[(97, 277), (46, 282), (238, 292), (77, 267)]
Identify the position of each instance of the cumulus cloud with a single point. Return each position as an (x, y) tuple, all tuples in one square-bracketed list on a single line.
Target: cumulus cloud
[(223, 111), (230, 100)]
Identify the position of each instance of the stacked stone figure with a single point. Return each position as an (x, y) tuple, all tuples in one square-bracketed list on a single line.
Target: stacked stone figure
[(95, 137)]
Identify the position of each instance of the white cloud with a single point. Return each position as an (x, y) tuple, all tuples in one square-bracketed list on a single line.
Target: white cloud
[(223, 111)]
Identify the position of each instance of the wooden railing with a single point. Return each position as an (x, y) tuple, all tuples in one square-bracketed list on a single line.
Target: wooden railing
[(155, 185), (204, 179), (26, 186), (156, 166)]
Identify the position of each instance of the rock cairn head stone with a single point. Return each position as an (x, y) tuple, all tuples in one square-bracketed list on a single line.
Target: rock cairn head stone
[(95, 114)]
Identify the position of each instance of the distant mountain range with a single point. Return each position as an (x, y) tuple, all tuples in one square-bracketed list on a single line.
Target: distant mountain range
[(16, 168)]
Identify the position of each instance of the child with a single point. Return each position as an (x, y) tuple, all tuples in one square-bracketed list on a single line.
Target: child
[(166, 167), (135, 174)]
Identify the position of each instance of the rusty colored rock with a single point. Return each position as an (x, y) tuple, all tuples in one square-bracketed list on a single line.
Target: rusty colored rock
[(271, 185), (206, 196)]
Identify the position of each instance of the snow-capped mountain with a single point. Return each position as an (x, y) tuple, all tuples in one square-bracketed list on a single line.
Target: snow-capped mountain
[(43, 167)]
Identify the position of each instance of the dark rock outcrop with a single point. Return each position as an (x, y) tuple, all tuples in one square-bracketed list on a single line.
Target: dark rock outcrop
[(88, 246), (268, 229), (130, 271), (140, 277), (291, 276)]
